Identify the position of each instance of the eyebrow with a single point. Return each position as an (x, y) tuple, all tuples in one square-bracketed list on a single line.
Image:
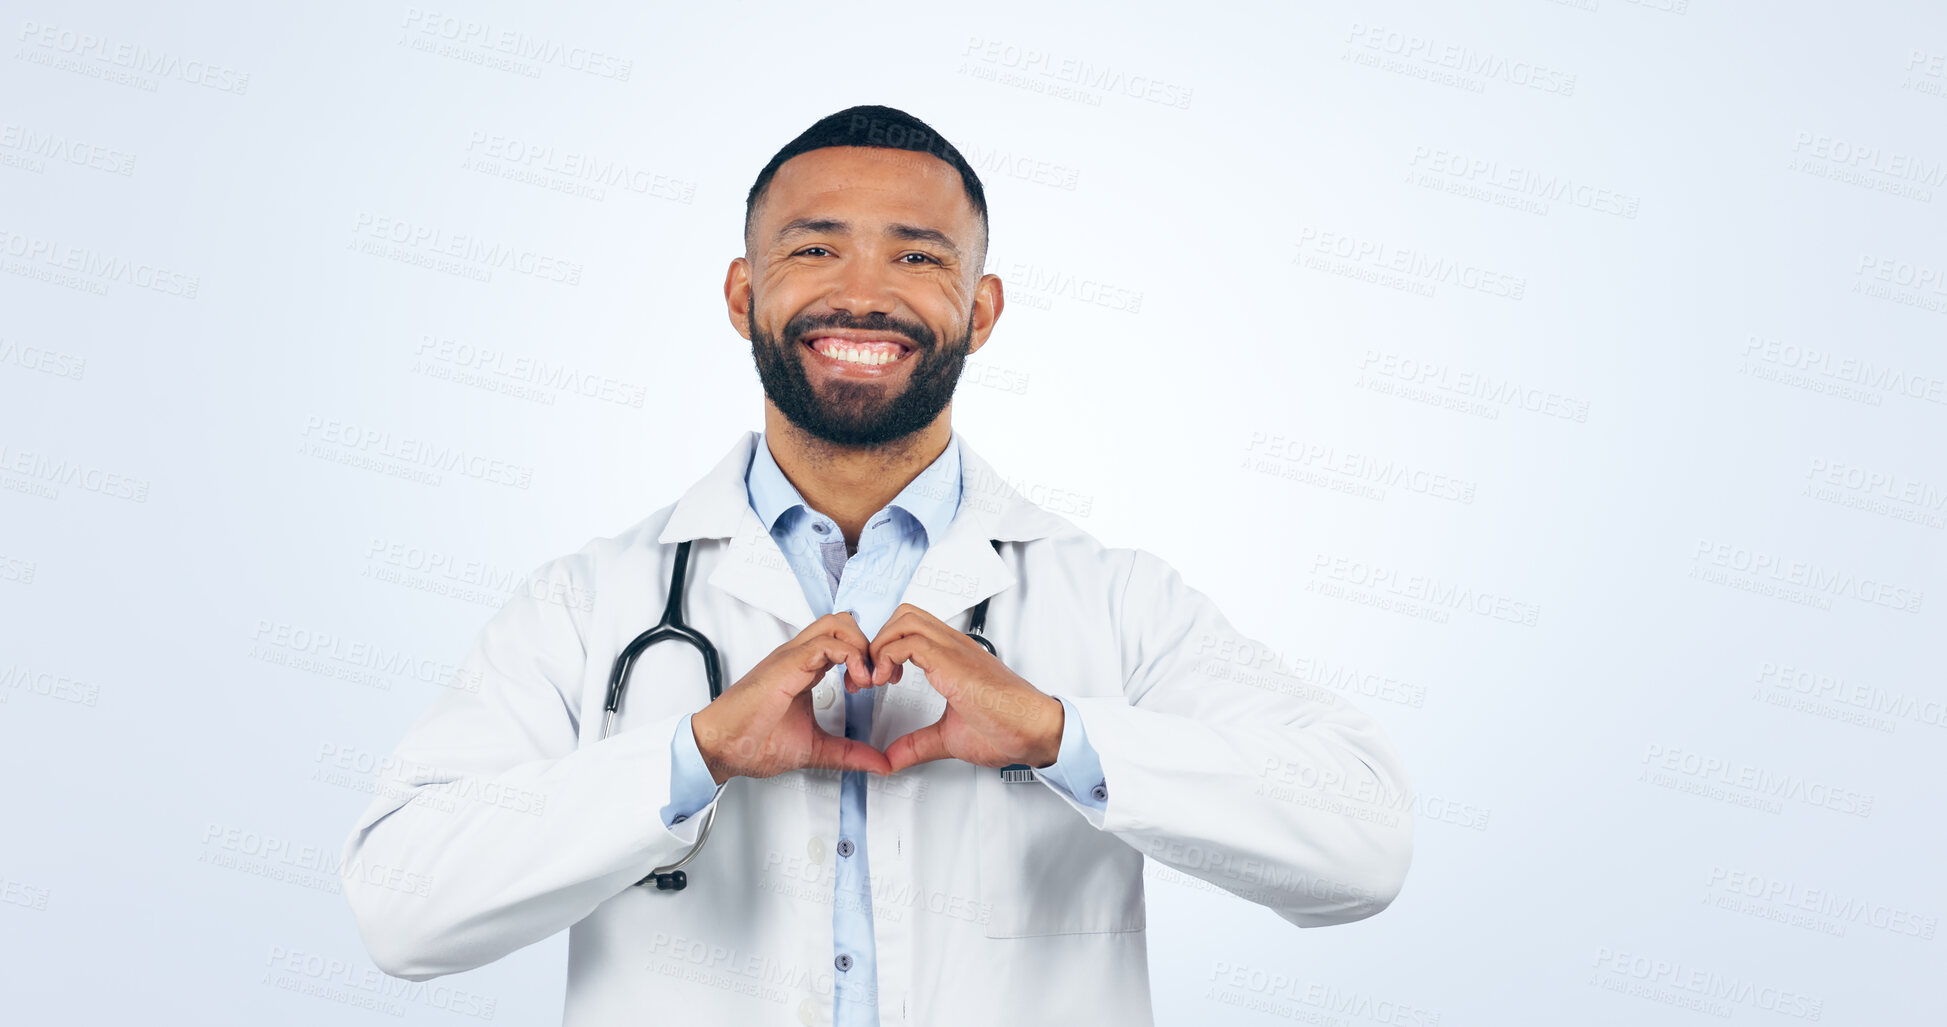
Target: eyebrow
[(830, 226)]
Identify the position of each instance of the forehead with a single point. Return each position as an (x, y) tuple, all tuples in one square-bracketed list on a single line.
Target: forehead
[(866, 183)]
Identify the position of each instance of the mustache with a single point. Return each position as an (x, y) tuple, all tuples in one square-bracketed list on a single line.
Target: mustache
[(916, 335)]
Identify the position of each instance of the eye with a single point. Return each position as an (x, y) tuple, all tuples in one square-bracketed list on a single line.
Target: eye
[(808, 249), (922, 256)]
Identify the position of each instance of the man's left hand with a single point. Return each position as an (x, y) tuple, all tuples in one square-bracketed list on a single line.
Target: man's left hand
[(993, 716)]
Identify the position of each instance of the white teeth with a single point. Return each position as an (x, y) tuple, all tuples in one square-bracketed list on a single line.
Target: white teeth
[(855, 355)]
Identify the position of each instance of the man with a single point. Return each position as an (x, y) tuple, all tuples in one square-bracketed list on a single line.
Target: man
[(903, 828)]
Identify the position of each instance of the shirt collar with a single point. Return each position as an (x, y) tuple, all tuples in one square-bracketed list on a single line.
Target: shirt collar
[(931, 498)]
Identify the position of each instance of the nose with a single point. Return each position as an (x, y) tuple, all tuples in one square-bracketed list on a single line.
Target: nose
[(862, 288)]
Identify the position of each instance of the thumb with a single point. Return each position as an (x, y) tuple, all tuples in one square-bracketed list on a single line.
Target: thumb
[(830, 752), (922, 745)]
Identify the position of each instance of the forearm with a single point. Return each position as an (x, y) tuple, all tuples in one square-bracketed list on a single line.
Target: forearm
[(1308, 815), (498, 861)]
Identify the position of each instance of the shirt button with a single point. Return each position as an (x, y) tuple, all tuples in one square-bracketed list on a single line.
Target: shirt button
[(824, 695), (680, 817), (845, 846), (1101, 792), (843, 962), (815, 849), (808, 1011), (820, 528)]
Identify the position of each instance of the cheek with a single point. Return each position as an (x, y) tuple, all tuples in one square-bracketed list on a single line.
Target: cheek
[(788, 285), (945, 306), (779, 300)]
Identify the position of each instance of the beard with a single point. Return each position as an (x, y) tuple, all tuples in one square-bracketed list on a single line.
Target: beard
[(857, 413)]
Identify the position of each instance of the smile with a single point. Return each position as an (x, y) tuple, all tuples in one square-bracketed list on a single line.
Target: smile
[(851, 351)]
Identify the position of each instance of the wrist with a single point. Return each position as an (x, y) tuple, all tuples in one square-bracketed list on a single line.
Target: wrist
[(705, 746), (1049, 750)]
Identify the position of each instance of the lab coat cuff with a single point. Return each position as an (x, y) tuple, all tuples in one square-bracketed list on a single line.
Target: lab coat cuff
[(1130, 744), (691, 788), (1076, 774)]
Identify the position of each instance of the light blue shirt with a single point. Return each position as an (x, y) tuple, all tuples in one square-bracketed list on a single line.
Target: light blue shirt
[(870, 584)]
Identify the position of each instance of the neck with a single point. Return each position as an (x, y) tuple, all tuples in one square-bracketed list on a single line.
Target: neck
[(851, 483)]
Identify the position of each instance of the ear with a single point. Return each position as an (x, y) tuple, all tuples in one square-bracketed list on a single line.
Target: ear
[(736, 296), (988, 301)]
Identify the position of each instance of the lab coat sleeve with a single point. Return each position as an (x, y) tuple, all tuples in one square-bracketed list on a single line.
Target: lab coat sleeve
[(1228, 767), (492, 828)]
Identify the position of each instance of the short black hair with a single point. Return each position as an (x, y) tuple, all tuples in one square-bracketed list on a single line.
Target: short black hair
[(883, 127)]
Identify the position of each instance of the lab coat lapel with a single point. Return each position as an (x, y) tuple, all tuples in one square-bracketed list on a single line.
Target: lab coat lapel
[(752, 568), (957, 571), (961, 568)]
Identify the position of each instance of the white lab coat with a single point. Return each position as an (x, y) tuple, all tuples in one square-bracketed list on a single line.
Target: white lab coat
[(502, 819)]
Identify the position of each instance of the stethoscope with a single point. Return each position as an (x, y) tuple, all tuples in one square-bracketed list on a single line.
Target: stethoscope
[(671, 627)]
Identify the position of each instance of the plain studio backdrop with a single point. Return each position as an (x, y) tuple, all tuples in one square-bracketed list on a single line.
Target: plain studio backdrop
[(1560, 382)]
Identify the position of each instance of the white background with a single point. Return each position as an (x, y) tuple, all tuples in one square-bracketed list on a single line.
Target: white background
[(1562, 382)]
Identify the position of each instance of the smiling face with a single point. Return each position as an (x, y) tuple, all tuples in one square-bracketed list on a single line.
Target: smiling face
[(860, 291)]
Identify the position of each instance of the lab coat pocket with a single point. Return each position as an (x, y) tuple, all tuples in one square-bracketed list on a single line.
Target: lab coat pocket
[(1044, 869)]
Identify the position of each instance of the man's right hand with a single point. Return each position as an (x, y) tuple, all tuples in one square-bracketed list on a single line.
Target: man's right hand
[(762, 726)]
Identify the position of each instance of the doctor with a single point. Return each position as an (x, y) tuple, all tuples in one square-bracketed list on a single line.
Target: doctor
[(869, 862)]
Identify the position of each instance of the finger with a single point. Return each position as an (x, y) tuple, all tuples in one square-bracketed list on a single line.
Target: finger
[(830, 752), (920, 614), (847, 623), (828, 624), (919, 650), (854, 636), (849, 630), (906, 622), (923, 745), (844, 626), (820, 654)]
